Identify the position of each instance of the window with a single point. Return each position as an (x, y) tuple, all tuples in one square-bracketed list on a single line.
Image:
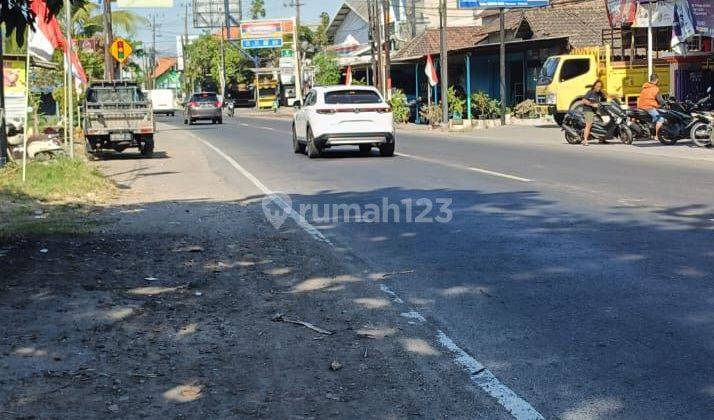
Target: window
[(574, 68), (548, 70), (311, 98), (120, 94), (352, 97), (204, 97)]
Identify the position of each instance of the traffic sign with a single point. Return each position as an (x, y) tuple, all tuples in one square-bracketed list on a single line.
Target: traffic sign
[(120, 50), (287, 53), (507, 4)]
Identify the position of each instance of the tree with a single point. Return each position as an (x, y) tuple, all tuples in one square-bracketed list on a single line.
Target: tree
[(203, 60), (321, 31), (16, 15), (257, 9), (87, 20), (327, 71)]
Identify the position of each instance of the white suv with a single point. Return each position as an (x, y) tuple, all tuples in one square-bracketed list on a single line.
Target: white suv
[(343, 115)]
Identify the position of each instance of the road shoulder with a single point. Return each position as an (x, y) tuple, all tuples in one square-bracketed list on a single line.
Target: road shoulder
[(185, 301)]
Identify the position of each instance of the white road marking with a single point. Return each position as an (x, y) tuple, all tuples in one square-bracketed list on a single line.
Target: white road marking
[(484, 379), (480, 376), (266, 128), (297, 217), (468, 168)]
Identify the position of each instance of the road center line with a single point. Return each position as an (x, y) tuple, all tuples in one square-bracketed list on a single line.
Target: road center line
[(468, 168), (478, 373)]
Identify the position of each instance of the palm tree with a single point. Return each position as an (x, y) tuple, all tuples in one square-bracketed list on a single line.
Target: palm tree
[(88, 20), (257, 9)]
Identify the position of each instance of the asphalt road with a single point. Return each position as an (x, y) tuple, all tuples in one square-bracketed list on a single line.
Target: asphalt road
[(581, 277)]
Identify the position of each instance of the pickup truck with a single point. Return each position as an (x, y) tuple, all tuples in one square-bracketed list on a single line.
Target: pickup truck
[(117, 116)]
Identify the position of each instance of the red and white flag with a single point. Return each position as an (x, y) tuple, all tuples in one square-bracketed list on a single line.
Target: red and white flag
[(47, 36), (430, 71), (77, 70), (348, 77)]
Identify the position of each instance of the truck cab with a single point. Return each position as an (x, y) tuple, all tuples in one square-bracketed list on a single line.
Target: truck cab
[(564, 79)]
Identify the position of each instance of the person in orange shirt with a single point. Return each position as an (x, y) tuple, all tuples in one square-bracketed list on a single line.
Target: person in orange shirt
[(650, 99)]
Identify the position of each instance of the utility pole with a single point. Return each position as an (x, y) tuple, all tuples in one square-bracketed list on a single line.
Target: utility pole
[(153, 51), (412, 17), (380, 68), (371, 37), (298, 64), (70, 82), (502, 18), (108, 39), (3, 131), (444, 62), (184, 49), (387, 48)]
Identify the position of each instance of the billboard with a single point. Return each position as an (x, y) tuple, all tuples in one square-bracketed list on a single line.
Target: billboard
[(621, 12), (208, 14), (702, 13), (258, 34), (506, 4), (14, 78)]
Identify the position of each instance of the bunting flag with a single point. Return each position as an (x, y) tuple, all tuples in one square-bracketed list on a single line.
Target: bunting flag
[(348, 77), (47, 36), (682, 26), (430, 71), (77, 70)]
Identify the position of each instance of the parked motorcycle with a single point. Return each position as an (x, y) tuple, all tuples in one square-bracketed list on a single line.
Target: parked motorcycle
[(602, 130), (702, 133), (39, 147), (680, 119)]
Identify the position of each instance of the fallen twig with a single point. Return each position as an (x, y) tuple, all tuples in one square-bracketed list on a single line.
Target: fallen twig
[(281, 318)]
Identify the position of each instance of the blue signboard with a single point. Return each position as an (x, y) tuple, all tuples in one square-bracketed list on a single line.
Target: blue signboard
[(256, 43), (506, 4)]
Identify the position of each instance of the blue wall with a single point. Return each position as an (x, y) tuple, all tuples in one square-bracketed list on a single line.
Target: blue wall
[(485, 73)]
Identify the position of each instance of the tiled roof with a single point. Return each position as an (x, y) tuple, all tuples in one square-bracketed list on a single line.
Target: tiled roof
[(163, 65), (429, 42), (581, 22)]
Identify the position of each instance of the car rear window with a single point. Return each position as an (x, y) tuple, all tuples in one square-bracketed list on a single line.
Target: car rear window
[(352, 97), (205, 97)]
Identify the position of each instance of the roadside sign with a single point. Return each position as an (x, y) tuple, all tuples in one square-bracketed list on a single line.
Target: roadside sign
[(120, 50), (265, 33), (506, 4), (287, 53)]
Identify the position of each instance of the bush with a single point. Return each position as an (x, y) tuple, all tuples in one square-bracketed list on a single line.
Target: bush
[(432, 114), (400, 108), (456, 104), (525, 109), (484, 106)]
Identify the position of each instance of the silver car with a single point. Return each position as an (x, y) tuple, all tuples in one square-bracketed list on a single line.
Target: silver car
[(203, 106)]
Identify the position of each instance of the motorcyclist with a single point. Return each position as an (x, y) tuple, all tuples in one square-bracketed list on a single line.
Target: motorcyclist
[(650, 99), (591, 102)]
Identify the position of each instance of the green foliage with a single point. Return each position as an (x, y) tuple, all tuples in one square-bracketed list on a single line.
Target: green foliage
[(203, 60), (327, 72), (456, 103), (484, 106), (257, 9), (87, 21), (15, 15), (432, 114), (525, 109), (321, 31), (400, 107)]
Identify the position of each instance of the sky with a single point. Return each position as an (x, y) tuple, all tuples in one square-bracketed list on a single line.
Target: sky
[(170, 21)]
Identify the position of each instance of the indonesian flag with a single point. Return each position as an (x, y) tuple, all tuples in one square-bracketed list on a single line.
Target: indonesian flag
[(348, 77), (430, 72), (47, 36), (77, 69)]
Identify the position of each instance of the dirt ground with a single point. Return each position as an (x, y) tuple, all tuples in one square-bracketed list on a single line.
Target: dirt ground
[(179, 305)]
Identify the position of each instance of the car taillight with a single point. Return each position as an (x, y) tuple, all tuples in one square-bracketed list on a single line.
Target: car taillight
[(218, 104), (384, 110), (192, 104)]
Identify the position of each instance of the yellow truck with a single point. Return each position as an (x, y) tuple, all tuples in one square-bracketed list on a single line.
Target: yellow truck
[(563, 79), (267, 91)]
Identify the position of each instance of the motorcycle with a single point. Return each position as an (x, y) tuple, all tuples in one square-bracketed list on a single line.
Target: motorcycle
[(680, 118), (702, 132), (602, 130), (39, 147), (230, 108)]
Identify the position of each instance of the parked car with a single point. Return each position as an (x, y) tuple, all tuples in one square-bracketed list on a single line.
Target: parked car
[(203, 106), (163, 101), (343, 116), (117, 116)]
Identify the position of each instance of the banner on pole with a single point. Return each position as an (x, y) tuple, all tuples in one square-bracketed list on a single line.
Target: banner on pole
[(506, 4)]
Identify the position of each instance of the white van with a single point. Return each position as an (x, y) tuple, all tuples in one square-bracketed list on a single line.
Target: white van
[(163, 101)]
